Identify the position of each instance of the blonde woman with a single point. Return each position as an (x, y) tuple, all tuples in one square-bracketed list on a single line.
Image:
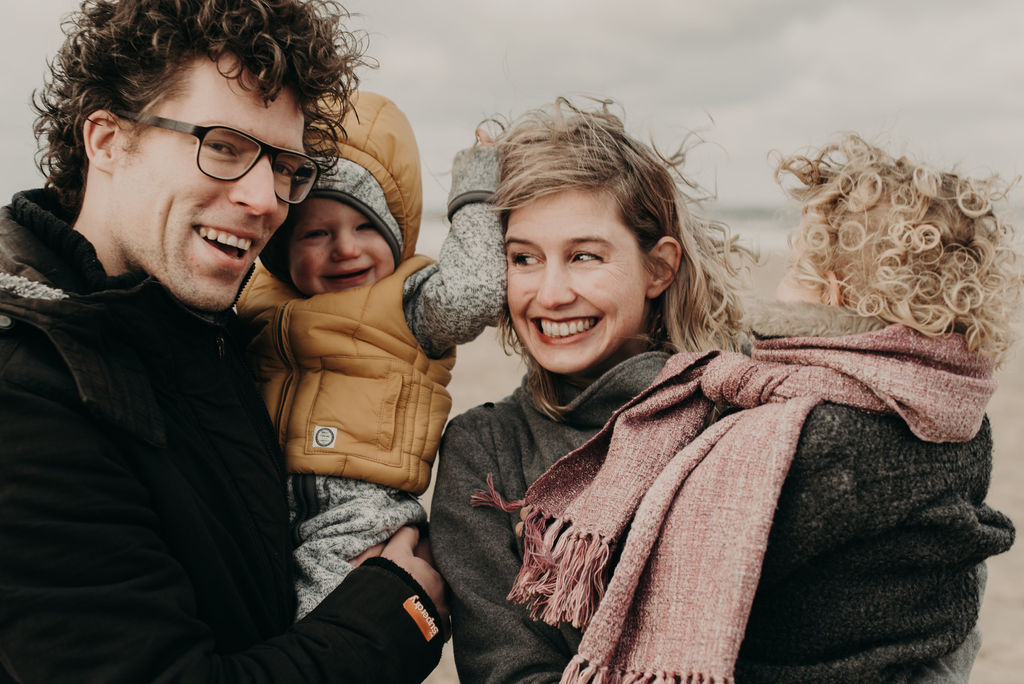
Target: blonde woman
[(608, 274)]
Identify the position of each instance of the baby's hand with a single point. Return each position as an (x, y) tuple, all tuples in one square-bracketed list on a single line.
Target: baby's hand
[(371, 552), (484, 138), (475, 174)]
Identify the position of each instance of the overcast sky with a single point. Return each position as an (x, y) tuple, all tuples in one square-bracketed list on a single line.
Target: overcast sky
[(940, 80)]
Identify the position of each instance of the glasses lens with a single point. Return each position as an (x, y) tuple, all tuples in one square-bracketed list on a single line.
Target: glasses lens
[(226, 154), (294, 175)]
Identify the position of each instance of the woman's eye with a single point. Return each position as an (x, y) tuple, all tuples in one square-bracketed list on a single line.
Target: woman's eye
[(521, 259), (584, 256)]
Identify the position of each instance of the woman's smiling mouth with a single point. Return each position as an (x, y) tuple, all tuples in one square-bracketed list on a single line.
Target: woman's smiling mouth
[(558, 329)]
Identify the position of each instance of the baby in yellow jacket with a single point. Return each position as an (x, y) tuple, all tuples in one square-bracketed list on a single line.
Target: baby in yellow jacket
[(355, 337)]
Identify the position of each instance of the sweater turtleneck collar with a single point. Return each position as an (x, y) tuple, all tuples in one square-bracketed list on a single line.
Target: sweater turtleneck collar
[(593, 404)]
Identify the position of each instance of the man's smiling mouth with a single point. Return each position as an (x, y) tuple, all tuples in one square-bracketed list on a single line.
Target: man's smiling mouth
[(226, 241)]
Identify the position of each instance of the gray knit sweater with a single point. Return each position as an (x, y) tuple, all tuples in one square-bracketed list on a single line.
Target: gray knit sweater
[(451, 301), (477, 550)]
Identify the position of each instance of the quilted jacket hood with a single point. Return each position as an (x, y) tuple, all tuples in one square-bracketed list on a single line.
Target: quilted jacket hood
[(378, 173)]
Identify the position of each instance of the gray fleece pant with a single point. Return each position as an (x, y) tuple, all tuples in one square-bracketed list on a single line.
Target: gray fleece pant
[(333, 520)]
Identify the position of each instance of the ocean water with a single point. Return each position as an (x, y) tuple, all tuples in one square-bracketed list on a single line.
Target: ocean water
[(764, 228)]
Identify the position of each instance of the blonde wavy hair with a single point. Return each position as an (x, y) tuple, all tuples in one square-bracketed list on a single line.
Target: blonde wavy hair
[(565, 147), (907, 244)]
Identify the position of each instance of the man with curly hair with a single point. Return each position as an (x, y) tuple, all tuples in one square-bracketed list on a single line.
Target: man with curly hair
[(142, 512)]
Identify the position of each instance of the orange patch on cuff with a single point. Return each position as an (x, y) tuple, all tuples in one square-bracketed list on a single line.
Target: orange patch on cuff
[(419, 615)]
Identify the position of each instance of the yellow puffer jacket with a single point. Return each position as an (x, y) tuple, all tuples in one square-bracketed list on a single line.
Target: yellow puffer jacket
[(348, 387)]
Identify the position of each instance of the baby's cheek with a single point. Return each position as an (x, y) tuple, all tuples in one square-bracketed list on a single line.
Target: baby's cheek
[(792, 290)]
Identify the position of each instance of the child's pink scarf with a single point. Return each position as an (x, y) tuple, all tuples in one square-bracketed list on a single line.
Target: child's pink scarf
[(701, 503)]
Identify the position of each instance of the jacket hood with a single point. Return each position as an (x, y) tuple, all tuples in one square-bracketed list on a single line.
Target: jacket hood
[(378, 173)]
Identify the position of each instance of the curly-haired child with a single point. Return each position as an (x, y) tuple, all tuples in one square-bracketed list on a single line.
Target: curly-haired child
[(885, 243), (894, 241)]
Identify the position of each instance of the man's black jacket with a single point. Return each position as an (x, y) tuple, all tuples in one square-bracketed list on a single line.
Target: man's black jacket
[(143, 524)]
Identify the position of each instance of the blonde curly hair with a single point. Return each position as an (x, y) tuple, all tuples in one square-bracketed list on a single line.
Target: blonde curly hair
[(565, 147), (907, 244)]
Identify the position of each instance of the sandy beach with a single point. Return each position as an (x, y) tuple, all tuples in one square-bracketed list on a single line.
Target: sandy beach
[(484, 373)]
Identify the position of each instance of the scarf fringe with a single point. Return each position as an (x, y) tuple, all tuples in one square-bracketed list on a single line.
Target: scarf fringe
[(564, 575), (580, 672), (493, 499), (564, 572)]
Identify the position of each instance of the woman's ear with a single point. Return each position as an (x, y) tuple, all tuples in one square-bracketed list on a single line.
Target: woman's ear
[(665, 256), (101, 135)]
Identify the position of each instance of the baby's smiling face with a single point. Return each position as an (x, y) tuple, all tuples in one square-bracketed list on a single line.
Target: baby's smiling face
[(334, 247)]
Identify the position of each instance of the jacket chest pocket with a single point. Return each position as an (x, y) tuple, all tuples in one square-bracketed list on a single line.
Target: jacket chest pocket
[(368, 418), (364, 400)]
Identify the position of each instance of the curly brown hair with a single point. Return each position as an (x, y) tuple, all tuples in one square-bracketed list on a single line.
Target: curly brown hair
[(908, 244), (565, 146), (128, 55)]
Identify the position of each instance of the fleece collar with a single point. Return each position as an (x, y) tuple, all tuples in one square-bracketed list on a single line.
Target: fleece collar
[(803, 319)]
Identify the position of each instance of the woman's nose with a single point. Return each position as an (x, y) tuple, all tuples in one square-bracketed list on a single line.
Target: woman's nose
[(555, 288)]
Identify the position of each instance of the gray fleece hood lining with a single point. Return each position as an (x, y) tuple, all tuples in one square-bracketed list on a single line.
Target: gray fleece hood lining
[(20, 286)]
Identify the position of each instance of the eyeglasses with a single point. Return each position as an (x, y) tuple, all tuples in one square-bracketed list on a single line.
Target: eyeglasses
[(227, 154)]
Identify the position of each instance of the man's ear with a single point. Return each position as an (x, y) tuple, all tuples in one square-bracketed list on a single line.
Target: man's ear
[(665, 256), (103, 138)]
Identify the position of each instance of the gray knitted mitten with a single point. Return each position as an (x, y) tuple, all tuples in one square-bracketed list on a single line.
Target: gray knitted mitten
[(475, 175)]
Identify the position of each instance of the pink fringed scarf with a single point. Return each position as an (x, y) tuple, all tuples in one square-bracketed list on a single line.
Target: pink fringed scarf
[(699, 505)]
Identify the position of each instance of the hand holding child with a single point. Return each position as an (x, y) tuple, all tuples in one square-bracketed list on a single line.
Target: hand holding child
[(406, 550)]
